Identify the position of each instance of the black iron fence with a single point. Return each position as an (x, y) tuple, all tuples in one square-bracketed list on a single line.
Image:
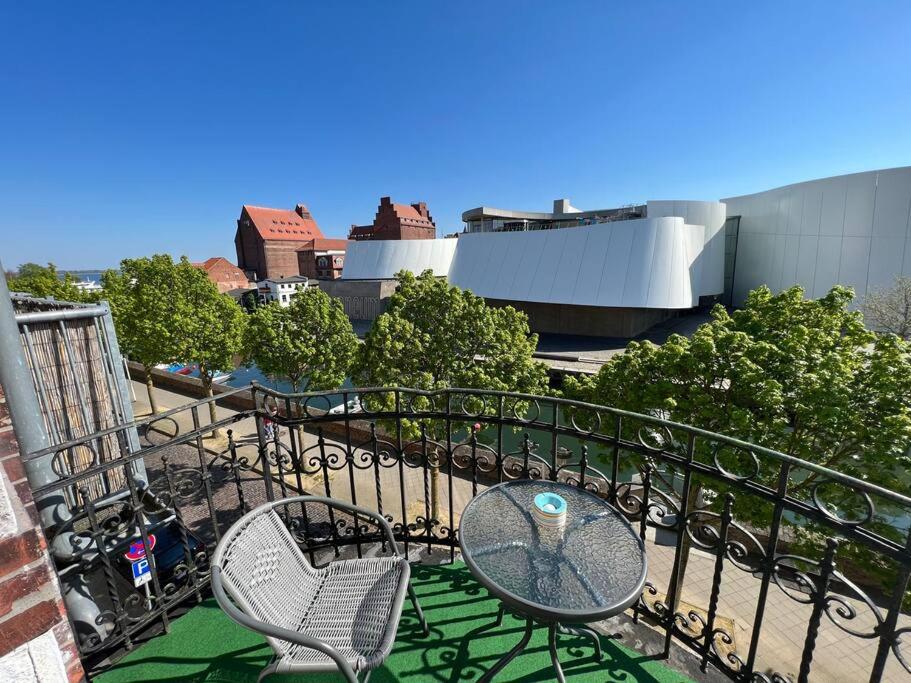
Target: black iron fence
[(798, 554)]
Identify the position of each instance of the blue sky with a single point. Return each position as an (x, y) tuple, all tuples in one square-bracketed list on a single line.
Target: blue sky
[(127, 130)]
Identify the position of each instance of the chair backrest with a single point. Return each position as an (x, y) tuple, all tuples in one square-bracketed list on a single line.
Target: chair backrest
[(266, 573)]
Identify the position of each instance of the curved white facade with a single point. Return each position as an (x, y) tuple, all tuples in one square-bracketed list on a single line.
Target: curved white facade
[(853, 230), (710, 215), (382, 259), (667, 260), (643, 263)]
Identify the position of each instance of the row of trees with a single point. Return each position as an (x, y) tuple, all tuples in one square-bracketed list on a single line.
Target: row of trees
[(799, 375), (433, 335), (47, 281)]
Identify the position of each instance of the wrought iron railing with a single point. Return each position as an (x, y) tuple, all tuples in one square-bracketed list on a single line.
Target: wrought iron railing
[(754, 532)]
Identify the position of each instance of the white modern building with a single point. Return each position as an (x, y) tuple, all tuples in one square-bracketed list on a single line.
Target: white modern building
[(281, 289), (382, 259), (611, 272), (852, 230), (617, 272)]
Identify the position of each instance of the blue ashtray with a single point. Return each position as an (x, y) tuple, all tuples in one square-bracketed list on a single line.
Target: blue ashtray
[(550, 510)]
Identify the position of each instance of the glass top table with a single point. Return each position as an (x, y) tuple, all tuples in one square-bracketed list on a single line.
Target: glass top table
[(592, 568)]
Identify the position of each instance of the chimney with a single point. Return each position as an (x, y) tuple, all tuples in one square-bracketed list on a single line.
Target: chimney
[(563, 206), (303, 212), (421, 208)]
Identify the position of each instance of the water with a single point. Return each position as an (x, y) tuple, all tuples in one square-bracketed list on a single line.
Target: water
[(82, 275), (243, 376)]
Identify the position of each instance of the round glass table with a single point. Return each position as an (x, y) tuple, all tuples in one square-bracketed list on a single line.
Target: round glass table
[(590, 569)]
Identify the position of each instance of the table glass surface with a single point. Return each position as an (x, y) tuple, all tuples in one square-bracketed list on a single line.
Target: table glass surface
[(594, 564)]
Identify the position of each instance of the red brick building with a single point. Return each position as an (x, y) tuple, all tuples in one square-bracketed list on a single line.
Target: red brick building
[(267, 240), (397, 222), (224, 274), (35, 637), (322, 259)]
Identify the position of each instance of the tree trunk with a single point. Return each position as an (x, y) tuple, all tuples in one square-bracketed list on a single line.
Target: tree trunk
[(153, 404), (207, 385)]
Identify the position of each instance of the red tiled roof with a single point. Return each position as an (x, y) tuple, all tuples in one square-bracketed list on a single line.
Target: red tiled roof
[(325, 243), (282, 224), (406, 211), (209, 263)]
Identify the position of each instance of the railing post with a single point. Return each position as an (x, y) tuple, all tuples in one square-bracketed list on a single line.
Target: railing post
[(204, 471), (682, 550), (453, 532), (615, 460), (263, 458), (716, 579), (768, 564), (235, 471), (826, 567), (887, 628), (554, 443)]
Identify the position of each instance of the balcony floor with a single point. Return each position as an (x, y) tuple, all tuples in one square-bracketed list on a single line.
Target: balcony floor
[(204, 645)]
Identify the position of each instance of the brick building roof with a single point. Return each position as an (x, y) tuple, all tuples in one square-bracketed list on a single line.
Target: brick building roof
[(210, 263), (409, 213), (283, 224), (325, 244)]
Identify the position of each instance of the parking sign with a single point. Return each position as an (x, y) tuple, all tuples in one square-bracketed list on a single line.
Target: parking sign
[(142, 572)]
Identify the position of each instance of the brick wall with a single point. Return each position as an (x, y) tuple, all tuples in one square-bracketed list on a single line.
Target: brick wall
[(389, 225), (281, 258), (227, 276), (36, 643)]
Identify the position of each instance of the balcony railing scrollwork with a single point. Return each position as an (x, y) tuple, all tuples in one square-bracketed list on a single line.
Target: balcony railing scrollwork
[(773, 529)]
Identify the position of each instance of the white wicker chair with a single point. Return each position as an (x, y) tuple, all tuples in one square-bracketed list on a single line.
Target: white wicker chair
[(343, 616)]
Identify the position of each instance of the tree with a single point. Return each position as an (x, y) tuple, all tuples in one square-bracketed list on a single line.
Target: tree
[(211, 326), (434, 336), (889, 309), (46, 281), (804, 377), (143, 296), (311, 341)]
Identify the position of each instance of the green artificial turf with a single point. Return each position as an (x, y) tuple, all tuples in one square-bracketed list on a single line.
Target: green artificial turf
[(204, 645)]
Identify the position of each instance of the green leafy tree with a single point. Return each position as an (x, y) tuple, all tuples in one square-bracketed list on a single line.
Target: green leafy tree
[(801, 376), (143, 297), (310, 342), (46, 281), (433, 336), (211, 326)]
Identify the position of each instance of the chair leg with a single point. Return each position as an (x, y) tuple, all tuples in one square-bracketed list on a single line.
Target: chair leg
[(269, 669), (417, 608)]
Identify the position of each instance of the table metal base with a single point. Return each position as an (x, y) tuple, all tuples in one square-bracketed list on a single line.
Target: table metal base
[(552, 631)]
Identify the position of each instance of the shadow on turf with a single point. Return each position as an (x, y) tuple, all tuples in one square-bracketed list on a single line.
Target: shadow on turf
[(461, 616)]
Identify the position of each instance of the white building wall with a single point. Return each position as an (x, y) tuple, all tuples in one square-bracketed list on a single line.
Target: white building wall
[(643, 263), (382, 259), (711, 215), (852, 230)]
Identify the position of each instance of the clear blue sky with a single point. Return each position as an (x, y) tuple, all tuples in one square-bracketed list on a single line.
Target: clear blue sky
[(127, 129)]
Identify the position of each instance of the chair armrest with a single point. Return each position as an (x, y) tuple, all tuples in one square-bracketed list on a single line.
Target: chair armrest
[(346, 507), (272, 630)]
